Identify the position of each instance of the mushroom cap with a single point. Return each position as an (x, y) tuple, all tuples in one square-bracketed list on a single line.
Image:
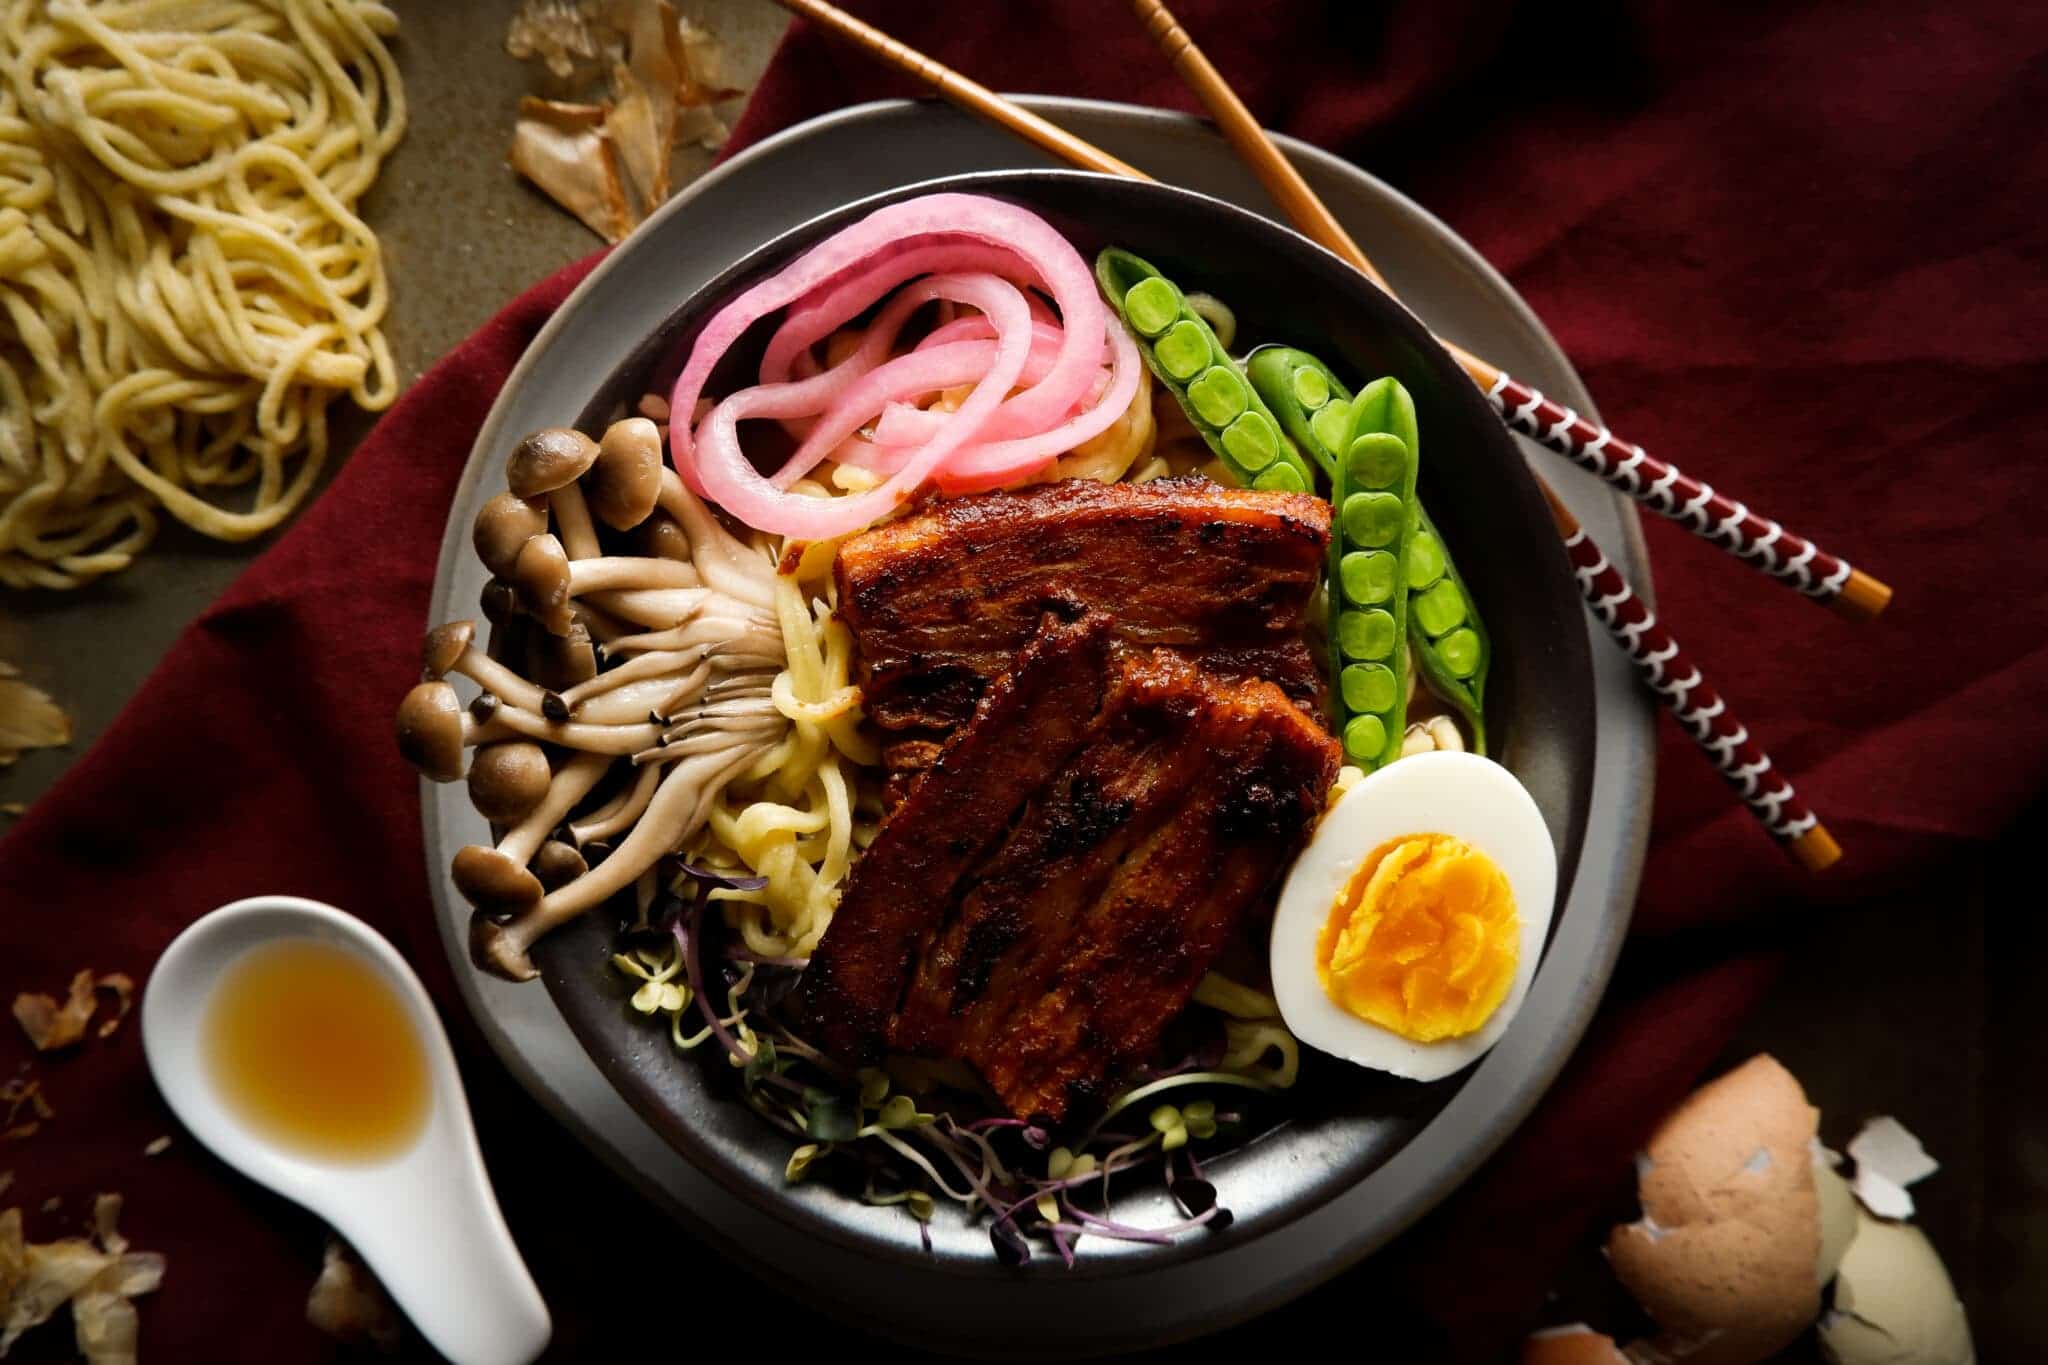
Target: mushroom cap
[(548, 459), (508, 779), (626, 480), (661, 537), (444, 648), (541, 578), (499, 602), (495, 949), (504, 524), (558, 864), (492, 881), (430, 731), (560, 662)]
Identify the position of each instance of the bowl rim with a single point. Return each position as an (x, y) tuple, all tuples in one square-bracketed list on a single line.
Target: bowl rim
[(1270, 1216)]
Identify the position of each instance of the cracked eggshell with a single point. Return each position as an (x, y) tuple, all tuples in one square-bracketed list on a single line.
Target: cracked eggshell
[(1724, 1257), (1838, 1215), (1894, 1302), (1576, 1344)]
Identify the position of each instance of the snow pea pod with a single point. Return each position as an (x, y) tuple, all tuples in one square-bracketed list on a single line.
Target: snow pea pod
[(1184, 353), (1444, 630), (1373, 494)]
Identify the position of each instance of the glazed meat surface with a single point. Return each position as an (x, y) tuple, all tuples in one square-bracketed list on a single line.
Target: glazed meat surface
[(940, 601), (1050, 892), (1027, 727)]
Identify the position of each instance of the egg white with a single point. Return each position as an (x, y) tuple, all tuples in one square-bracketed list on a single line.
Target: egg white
[(1441, 792)]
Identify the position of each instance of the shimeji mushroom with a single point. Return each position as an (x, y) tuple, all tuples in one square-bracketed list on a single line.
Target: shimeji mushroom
[(509, 626), (580, 735), (680, 805), (546, 579), (433, 730), (558, 864), (748, 632), (725, 562), (659, 537), (662, 651), (451, 648), (503, 525), (620, 812), (508, 779), (558, 662), (625, 480), (544, 467)]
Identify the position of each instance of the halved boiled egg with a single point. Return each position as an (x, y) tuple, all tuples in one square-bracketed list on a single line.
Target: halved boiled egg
[(1410, 926)]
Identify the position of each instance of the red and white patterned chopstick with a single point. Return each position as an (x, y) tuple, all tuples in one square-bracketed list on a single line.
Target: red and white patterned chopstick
[(1702, 710), (1669, 492)]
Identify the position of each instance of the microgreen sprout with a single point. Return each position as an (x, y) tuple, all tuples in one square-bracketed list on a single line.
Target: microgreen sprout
[(917, 1149)]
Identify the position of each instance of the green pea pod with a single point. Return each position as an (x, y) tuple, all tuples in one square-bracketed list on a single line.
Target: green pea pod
[(1444, 630), (1451, 647), (1312, 405), (1188, 359), (1374, 499)]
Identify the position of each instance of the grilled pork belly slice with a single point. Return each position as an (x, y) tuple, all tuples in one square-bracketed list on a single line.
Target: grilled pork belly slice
[(1060, 910), (1026, 729), (941, 600)]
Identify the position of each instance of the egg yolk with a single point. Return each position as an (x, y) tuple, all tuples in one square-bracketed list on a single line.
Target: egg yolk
[(1424, 939)]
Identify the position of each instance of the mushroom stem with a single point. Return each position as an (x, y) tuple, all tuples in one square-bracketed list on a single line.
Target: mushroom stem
[(749, 628), (723, 708), (711, 736), (677, 810), (634, 670), (570, 784), (573, 526), (614, 572), (496, 679), (591, 739), (697, 599), (646, 700), (658, 608), (726, 563), (620, 812)]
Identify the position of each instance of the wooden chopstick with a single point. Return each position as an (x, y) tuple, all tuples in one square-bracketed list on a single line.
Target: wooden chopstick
[(1756, 540), (1627, 618), (970, 95)]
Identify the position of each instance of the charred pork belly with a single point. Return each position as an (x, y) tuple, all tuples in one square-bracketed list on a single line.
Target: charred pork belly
[(941, 600), (1049, 893), (1028, 726)]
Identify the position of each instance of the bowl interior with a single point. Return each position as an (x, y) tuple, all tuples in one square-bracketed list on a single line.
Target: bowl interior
[(1339, 1123)]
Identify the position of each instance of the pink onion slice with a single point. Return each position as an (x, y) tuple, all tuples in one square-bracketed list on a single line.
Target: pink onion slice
[(847, 273), (995, 463), (908, 375), (732, 481)]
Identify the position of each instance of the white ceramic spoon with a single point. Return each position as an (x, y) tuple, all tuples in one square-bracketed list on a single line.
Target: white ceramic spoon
[(425, 1220)]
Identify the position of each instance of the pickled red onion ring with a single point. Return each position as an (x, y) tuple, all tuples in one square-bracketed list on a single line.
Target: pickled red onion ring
[(1022, 411), (906, 376), (995, 463), (731, 480)]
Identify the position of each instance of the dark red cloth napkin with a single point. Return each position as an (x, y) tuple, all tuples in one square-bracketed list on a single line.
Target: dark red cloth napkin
[(1794, 247)]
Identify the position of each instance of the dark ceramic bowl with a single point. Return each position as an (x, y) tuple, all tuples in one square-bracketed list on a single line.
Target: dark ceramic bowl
[(1339, 1124)]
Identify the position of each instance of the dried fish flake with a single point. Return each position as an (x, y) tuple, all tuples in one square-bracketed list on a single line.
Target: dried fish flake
[(98, 1281), (348, 1303), (29, 717), (565, 151)]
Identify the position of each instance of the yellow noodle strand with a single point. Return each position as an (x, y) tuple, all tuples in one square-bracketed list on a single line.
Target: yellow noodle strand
[(185, 284)]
